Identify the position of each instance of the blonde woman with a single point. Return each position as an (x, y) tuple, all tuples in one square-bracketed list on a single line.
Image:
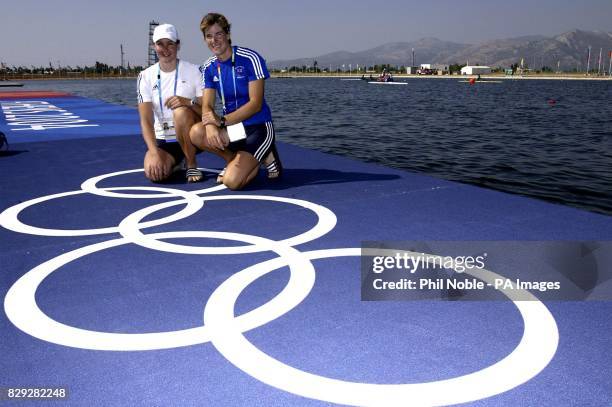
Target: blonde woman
[(243, 135)]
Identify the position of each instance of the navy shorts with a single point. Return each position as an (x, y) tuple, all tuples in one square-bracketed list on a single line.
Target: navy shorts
[(173, 148), (259, 140)]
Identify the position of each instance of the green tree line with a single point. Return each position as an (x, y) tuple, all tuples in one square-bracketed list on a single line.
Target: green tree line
[(98, 68)]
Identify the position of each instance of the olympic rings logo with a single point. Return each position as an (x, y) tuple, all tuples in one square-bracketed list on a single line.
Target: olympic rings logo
[(225, 330)]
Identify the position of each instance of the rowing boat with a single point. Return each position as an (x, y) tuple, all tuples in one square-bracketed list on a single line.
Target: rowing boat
[(387, 83), (10, 84), (481, 81)]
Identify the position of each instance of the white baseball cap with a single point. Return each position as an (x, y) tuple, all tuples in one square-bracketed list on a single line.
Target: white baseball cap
[(165, 31)]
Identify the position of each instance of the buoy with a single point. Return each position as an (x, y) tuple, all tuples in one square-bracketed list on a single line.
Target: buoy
[(472, 81)]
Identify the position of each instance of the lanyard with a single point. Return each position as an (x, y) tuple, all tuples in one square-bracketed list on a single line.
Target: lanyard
[(159, 86), (221, 83)]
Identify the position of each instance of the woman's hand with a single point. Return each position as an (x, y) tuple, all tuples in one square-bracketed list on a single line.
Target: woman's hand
[(210, 118), (154, 166), (216, 137), (174, 102)]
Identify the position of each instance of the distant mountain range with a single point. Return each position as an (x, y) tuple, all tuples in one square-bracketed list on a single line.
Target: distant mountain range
[(570, 49)]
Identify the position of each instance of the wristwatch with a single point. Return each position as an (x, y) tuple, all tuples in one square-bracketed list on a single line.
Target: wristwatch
[(194, 101), (222, 125)]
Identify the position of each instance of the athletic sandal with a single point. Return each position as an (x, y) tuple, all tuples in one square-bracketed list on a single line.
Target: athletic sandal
[(220, 176), (194, 175), (273, 164)]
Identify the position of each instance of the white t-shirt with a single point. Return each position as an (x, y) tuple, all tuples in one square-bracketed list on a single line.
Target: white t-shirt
[(188, 85)]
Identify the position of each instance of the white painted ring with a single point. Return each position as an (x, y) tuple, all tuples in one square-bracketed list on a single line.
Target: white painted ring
[(9, 218), (21, 308), (535, 350), (90, 186), (129, 226)]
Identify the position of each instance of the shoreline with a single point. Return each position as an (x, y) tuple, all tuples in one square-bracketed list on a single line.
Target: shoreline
[(582, 77), (456, 77), (60, 78)]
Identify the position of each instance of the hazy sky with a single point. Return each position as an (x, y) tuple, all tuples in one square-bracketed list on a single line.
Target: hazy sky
[(69, 32)]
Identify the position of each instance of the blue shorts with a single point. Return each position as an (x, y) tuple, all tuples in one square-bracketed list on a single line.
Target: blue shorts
[(173, 148), (259, 140)]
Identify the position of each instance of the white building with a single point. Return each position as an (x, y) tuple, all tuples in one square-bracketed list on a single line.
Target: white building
[(435, 67), (475, 70)]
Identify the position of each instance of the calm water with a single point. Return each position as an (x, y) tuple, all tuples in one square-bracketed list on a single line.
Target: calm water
[(505, 136)]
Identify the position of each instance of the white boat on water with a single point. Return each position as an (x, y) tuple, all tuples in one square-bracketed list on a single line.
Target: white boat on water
[(387, 83), (6, 84)]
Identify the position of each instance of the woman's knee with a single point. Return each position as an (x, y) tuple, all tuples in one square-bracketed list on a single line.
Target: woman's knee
[(240, 171), (183, 117), (233, 181), (196, 134)]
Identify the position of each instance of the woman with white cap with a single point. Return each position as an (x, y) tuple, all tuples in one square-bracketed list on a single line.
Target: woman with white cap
[(244, 134), (168, 105)]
